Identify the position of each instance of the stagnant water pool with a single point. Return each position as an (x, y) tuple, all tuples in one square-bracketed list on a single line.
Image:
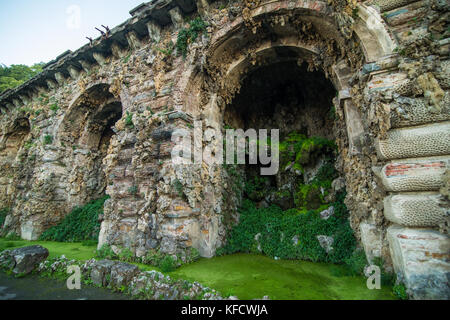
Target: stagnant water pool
[(36, 288)]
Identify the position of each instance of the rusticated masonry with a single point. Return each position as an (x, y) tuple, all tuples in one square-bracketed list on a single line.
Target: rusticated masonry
[(100, 121)]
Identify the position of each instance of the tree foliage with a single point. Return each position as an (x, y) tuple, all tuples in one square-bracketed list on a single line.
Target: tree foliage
[(16, 74)]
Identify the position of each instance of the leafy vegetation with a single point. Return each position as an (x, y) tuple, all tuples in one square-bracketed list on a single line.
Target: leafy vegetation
[(81, 224), (178, 187), (48, 140), (129, 120), (105, 252), (3, 213), (400, 292), (15, 75), (168, 264), (301, 150), (189, 35), (291, 234), (55, 108)]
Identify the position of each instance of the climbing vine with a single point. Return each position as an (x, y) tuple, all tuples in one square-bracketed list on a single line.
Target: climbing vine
[(81, 224)]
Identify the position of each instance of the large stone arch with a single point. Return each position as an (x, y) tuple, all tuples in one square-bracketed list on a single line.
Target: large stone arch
[(306, 30), (390, 166), (370, 34)]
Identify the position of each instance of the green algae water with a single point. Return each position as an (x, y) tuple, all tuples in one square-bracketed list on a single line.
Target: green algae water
[(253, 276), (246, 276), (36, 288)]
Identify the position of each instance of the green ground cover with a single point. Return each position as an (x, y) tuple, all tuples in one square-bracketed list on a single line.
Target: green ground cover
[(247, 276)]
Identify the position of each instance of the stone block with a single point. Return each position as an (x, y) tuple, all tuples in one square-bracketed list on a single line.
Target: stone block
[(421, 259)]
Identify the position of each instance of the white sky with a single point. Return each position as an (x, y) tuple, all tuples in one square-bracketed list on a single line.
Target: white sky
[(33, 31)]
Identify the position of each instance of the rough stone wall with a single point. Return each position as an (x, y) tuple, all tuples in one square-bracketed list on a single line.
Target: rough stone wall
[(387, 59)]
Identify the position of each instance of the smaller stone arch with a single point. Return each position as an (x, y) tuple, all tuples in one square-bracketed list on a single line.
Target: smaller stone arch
[(12, 141), (90, 118), (88, 129)]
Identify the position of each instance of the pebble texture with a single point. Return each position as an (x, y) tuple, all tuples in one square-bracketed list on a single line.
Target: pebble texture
[(432, 140), (386, 5), (407, 112), (414, 175), (415, 210)]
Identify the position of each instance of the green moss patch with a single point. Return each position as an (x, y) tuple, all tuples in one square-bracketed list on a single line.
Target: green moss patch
[(249, 276), (76, 251)]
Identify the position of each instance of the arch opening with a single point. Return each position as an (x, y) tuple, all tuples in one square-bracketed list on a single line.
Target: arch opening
[(15, 139), (319, 59), (283, 95), (89, 128)]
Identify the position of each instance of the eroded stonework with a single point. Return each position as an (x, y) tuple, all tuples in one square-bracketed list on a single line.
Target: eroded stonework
[(100, 120)]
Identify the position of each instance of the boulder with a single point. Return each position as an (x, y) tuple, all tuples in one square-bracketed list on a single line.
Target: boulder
[(100, 272), (326, 243), (326, 214), (25, 260), (122, 274), (6, 261)]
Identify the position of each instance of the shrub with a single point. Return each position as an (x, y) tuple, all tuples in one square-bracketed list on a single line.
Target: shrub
[(126, 255), (153, 258), (3, 213), (80, 225), (256, 188), (400, 292), (194, 255), (13, 237), (129, 120), (168, 264), (187, 36), (221, 252), (178, 187), (278, 228), (356, 263), (55, 108), (48, 140), (105, 252)]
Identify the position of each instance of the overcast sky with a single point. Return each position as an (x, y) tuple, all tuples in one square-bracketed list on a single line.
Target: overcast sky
[(34, 31)]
